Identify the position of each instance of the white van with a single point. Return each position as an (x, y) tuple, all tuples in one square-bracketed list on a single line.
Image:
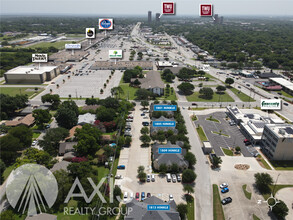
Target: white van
[(168, 177)]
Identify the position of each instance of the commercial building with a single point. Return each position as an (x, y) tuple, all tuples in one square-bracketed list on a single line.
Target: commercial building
[(121, 65), (158, 17), (31, 74), (154, 130), (277, 142), (251, 125), (153, 83), (140, 210), (149, 16), (163, 64), (286, 85)]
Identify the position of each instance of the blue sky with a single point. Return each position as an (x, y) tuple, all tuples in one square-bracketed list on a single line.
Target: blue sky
[(140, 7)]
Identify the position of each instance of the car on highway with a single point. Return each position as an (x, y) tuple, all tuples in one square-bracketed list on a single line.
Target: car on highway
[(285, 103), (173, 178), (142, 196), (137, 196), (223, 185), (276, 97), (171, 197), (225, 190), (226, 201)]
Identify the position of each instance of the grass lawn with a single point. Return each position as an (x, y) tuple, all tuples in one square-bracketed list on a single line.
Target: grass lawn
[(7, 171), (171, 97), (129, 92), (199, 109), (114, 171), (13, 91), (282, 165), (102, 171), (190, 210), (201, 134), (216, 98), (58, 44), (246, 193), (217, 205), (285, 119), (213, 119), (255, 217), (286, 94), (242, 96), (215, 132), (193, 118), (263, 162), (36, 135), (227, 151), (277, 188)]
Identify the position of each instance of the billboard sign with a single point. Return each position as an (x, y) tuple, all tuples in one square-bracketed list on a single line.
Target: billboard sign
[(206, 10), (73, 46), (117, 54), (90, 33), (105, 24), (270, 104), (39, 58)]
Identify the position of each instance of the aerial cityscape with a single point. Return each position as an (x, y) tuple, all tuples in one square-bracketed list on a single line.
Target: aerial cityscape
[(146, 110)]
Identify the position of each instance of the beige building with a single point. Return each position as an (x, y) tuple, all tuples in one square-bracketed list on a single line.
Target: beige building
[(31, 74), (277, 141)]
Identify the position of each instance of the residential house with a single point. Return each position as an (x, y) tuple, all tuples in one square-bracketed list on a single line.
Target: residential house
[(72, 132), (140, 210), (90, 107), (153, 83), (62, 165), (66, 149), (169, 159), (87, 118), (27, 120)]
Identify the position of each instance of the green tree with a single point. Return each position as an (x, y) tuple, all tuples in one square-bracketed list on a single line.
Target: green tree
[(188, 188), (105, 114), (143, 94), (7, 215), (216, 161), (262, 182), (174, 168), (163, 168), (220, 89), (2, 168), (144, 103), (51, 139), (24, 134), (121, 141), (53, 99), (41, 116), (140, 169), (128, 140), (66, 118), (229, 81), (188, 176), (190, 158), (144, 130), (145, 139), (186, 88), (280, 210), (91, 101), (161, 138), (206, 93), (182, 209), (10, 147), (142, 176)]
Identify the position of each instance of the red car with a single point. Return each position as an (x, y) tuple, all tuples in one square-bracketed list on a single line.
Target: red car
[(137, 196), (246, 140)]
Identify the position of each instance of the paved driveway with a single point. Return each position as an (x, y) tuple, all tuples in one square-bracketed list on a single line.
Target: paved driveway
[(235, 136)]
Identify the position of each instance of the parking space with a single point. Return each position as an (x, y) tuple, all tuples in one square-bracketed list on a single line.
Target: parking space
[(217, 141)]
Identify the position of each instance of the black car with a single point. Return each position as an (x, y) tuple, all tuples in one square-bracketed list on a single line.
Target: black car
[(247, 143), (145, 123), (285, 103), (226, 200)]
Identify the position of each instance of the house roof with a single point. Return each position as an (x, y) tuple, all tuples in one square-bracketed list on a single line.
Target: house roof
[(90, 107), (28, 120), (106, 137), (62, 165), (152, 80), (162, 118), (72, 131), (169, 159), (66, 147), (140, 212), (175, 70), (30, 108), (87, 118)]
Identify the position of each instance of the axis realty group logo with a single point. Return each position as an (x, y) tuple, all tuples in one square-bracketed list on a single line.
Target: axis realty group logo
[(33, 188)]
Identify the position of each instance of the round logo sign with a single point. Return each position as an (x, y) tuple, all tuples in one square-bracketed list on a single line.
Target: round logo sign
[(105, 23), (90, 33)]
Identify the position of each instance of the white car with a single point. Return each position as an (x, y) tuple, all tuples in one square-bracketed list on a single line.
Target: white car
[(171, 197), (34, 143), (153, 177), (223, 185), (149, 178), (131, 196), (125, 197)]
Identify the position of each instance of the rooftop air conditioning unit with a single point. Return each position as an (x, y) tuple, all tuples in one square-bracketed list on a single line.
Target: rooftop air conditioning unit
[(282, 131)]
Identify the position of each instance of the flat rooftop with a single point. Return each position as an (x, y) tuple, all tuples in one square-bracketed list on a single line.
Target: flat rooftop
[(284, 130), (31, 69), (283, 82)]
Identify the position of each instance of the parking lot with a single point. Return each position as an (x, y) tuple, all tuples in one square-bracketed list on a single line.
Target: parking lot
[(217, 141), (136, 156)]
